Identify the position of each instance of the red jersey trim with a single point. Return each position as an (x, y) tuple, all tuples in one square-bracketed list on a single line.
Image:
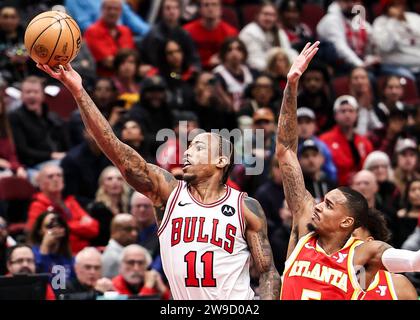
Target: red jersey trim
[(391, 287), (210, 205), (241, 215), (171, 208), (358, 291), (302, 241)]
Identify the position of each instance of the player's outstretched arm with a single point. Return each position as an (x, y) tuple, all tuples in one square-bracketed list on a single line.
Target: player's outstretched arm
[(300, 201), (256, 237), (152, 181), (376, 255)]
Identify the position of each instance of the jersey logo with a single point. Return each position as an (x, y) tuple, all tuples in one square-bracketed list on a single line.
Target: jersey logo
[(341, 257), (228, 211), (183, 204), (382, 290)]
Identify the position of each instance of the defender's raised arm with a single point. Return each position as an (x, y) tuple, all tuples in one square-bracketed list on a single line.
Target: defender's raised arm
[(152, 181)]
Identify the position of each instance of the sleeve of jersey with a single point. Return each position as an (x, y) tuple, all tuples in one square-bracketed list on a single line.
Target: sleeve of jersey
[(398, 260)]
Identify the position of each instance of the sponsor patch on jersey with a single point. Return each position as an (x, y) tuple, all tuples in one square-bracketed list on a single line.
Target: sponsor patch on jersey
[(228, 211)]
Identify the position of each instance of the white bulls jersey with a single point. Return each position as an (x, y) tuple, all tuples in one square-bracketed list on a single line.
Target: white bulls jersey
[(203, 249)]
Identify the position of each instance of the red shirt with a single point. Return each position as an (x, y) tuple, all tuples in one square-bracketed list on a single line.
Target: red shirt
[(311, 274), (80, 233), (342, 155), (102, 45), (121, 287), (381, 288), (209, 42)]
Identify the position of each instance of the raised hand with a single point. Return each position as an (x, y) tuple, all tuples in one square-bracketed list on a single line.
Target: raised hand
[(67, 75), (302, 61)]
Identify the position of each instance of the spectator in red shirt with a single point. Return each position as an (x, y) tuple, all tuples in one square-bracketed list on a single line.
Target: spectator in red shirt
[(209, 32), (349, 149), (21, 260), (134, 279), (105, 37), (51, 183)]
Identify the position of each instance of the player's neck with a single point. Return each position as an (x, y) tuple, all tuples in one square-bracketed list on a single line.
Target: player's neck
[(208, 191), (332, 243)]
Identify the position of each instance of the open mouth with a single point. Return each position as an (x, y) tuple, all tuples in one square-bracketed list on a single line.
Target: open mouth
[(315, 216), (186, 164)]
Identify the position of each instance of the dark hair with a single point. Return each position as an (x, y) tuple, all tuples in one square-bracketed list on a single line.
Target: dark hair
[(224, 49), (13, 248), (356, 204), (288, 5), (109, 80), (376, 225), (164, 66), (408, 205), (124, 54), (35, 237)]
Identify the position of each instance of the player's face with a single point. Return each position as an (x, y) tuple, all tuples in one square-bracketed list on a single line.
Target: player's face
[(330, 215), (201, 157)]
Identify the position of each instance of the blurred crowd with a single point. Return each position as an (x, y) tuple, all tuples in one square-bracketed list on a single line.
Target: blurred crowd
[(186, 65)]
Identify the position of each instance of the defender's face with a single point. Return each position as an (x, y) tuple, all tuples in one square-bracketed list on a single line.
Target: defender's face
[(329, 214)]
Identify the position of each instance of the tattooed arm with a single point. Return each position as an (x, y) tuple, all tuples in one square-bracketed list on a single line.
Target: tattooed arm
[(256, 237), (299, 200), (152, 181)]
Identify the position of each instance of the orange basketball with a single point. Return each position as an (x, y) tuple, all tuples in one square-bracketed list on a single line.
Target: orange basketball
[(53, 38)]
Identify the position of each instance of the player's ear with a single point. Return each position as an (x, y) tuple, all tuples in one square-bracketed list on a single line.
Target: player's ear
[(347, 222), (222, 162)]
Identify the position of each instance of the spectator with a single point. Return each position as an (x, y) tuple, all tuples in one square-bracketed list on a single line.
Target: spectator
[(49, 239), (397, 38), (413, 243), (13, 55), (279, 239), (111, 199), (135, 279), (316, 95), (170, 155), (352, 40), (177, 72), (406, 152), (232, 75), (311, 161), (132, 134), (297, 31), (21, 260), (260, 94), (271, 195), (105, 97), (365, 182), (306, 130), (386, 137), (126, 64), (50, 198), (361, 89), (6, 242), (39, 134), (410, 214), (9, 164), (379, 164), (392, 93), (262, 35), (88, 284), (152, 112), (278, 65), (211, 112), (209, 31), (169, 28), (348, 148), (105, 37), (143, 211), (85, 65), (87, 12), (123, 233)]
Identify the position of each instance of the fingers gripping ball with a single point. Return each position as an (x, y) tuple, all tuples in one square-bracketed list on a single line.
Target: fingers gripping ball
[(53, 38)]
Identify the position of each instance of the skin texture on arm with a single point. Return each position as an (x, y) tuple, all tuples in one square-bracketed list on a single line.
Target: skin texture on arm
[(154, 182), (300, 202), (256, 237), (404, 288)]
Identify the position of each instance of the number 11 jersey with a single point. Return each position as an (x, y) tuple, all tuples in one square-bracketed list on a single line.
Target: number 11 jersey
[(204, 252)]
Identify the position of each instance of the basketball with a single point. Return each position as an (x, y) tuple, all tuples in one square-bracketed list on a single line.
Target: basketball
[(53, 38)]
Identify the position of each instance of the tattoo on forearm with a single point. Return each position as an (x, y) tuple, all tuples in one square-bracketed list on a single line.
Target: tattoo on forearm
[(294, 186), (287, 135)]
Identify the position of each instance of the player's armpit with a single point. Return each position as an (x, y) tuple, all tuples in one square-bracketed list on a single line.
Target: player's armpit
[(259, 246)]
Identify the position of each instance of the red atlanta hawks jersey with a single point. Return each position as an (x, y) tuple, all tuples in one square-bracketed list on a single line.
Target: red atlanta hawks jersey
[(311, 274), (203, 248), (381, 288)]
